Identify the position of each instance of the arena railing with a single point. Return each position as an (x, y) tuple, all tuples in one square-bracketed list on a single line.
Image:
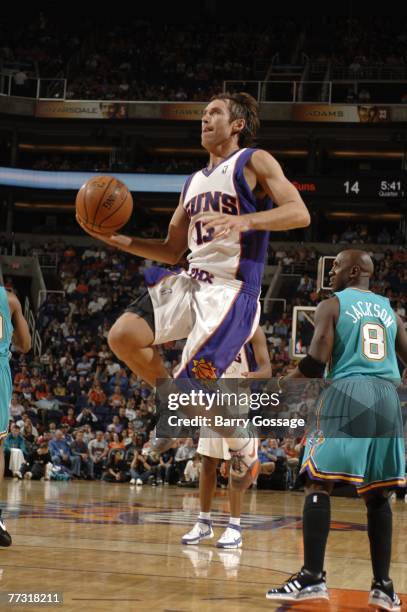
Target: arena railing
[(32, 323), (33, 87), (391, 91), (47, 260)]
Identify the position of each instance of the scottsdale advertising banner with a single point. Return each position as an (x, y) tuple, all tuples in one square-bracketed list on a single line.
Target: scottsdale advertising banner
[(192, 111), (81, 109)]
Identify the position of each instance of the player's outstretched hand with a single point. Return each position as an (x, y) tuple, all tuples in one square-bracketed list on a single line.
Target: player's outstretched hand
[(115, 240), (223, 225)]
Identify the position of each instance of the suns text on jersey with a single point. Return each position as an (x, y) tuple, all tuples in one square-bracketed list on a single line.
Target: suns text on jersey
[(212, 201)]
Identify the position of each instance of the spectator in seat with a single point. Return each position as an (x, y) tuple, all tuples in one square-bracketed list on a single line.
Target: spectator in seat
[(115, 425), (183, 454), (38, 467), (192, 471), (267, 459), (115, 441), (166, 466), (98, 451), (116, 400), (123, 420), (69, 418), (140, 470), (16, 407), (15, 451), (61, 454), (291, 452), (96, 395), (46, 406), (80, 449), (84, 366), (86, 417), (116, 468)]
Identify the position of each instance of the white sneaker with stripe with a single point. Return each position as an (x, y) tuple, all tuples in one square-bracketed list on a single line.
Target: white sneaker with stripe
[(202, 530), (303, 586)]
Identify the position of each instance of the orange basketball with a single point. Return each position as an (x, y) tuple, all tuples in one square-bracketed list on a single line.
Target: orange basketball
[(104, 204)]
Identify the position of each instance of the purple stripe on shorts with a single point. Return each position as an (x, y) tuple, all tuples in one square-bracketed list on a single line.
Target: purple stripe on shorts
[(219, 350), (155, 274)]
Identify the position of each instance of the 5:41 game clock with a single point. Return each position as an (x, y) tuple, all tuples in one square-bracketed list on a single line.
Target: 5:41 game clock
[(374, 188)]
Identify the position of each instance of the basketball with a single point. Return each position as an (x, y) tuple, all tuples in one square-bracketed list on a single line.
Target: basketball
[(104, 204)]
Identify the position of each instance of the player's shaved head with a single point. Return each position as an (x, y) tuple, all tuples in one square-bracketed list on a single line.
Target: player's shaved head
[(351, 268), (356, 257)]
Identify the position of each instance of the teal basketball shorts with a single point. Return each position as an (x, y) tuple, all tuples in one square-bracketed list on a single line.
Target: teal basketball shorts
[(358, 438)]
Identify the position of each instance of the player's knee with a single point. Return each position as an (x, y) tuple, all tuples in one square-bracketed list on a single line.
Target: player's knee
[(116, 337), (317, 487), (127, 335), (209, 464)]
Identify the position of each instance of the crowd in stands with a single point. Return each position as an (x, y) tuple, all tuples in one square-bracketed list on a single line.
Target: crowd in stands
[(357, 43), (151, 61), (38, 47), (144, 59)]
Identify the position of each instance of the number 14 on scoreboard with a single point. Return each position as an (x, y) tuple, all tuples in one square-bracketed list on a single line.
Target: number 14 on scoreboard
[(351, 187)]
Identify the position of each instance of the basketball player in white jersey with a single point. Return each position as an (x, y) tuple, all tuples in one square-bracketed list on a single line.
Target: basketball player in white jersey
[(223, 217), (253, 361)]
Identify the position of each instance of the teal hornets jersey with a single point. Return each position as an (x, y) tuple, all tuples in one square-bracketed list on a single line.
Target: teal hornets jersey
[(365, 336), (6, 326)]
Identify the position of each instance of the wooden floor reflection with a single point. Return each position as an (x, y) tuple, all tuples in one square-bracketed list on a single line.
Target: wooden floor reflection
[(116, 547)]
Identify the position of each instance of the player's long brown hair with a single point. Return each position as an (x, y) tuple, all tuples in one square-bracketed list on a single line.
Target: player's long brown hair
[(242, 106)]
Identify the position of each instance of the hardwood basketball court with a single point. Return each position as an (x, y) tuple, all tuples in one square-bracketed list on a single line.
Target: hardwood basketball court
[(116, 547)]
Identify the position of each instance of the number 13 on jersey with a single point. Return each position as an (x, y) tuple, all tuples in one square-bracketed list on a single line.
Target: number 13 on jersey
[(202, 234)]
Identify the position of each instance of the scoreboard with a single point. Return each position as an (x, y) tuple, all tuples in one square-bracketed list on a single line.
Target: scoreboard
[(353, 187)]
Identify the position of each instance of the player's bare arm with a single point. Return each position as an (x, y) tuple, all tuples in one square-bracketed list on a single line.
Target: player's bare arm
[(21, 333), (322, 342), (401, 341), (261, 354), (169, 251), (263, 173)]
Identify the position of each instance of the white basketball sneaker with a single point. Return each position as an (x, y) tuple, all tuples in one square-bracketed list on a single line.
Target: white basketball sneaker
[(383, 597), (231, 537), (202, 530)]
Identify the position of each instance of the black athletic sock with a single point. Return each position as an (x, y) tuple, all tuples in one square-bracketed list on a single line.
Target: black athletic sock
[(380, 528), (316, 524)]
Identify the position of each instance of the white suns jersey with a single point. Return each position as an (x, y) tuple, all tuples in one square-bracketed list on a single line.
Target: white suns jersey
[(224, 190)]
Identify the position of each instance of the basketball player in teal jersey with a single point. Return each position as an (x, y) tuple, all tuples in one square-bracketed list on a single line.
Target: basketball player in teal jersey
[(360, 333), (13, 328)]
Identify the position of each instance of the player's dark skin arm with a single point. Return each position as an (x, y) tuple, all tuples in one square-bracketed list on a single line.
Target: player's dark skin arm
[(401, 341), (21, 333)]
